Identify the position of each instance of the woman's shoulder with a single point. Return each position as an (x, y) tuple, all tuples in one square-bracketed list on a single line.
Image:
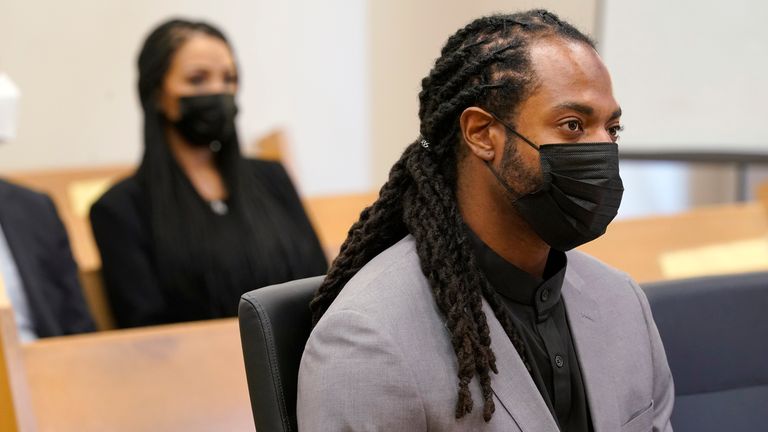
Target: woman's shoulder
[(124, 197), (271, 173), (265, 167), (23, 196)]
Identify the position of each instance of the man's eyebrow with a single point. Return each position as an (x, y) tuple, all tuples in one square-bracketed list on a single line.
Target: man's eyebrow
[(573, 106), (586, 110)]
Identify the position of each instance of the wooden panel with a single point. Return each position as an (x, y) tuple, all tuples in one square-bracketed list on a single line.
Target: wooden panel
[(332, 216), (15, 409), (635, 245), (8, 420), (181, 377), (272, 146), (762, 193), (93, 290)]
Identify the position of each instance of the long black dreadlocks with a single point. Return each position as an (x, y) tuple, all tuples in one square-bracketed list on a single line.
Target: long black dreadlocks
[(484, 64)]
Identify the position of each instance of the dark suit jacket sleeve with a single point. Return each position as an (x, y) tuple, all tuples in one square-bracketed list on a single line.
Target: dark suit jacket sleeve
[(130, 278), (74, 315)]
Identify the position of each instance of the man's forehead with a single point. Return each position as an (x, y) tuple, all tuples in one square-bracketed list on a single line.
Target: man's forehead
[(569, 70)]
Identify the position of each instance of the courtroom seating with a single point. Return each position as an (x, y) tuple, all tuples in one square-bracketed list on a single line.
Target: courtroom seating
[(180, 377), (333, 215), (275, 323), (272, 146), (761, 193), (715, 334), (92, 284), (642, 246), (15, 407)]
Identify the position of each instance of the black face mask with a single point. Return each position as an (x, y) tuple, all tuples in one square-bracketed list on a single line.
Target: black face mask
[(579, 195), (207, 120)]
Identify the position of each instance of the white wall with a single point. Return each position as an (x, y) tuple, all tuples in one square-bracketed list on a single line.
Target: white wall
[(303, 68), (691, 74)]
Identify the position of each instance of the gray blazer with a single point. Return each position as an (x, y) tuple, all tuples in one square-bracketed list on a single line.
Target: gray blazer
[(380, 359)]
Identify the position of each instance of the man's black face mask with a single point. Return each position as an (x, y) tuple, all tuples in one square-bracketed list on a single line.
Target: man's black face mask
[(579, 194)]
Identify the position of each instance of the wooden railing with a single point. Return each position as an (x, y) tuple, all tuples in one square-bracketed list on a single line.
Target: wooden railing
[(650, 248), (181, 377)]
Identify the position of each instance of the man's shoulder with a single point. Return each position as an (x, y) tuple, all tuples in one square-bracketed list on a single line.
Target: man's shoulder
[(22, 196), (586, 265), (612, 289), (392, 277), (599, 278)]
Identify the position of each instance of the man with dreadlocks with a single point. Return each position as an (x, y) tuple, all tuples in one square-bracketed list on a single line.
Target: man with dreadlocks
[(457, 278)]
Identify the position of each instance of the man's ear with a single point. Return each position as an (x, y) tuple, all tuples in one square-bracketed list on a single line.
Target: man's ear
[(480, 135)]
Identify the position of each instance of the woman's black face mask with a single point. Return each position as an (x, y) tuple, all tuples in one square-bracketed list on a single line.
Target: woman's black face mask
[(579, 194), (208, 119)]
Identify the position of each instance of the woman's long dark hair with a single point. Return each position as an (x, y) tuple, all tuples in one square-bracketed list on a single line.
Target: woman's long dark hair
[(274, 248), (484, 64)]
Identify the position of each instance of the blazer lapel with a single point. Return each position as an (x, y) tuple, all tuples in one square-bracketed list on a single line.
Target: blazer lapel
[(513, 386), (584, 318)]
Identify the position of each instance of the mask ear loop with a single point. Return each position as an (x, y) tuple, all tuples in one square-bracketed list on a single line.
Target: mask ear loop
[(511, 129), (496, 174)]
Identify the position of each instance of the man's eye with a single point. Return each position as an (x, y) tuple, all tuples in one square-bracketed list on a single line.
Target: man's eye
[(572, 125), (615, 131)]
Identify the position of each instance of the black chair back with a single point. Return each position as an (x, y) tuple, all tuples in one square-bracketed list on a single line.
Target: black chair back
[(715, 333), (275, 324)]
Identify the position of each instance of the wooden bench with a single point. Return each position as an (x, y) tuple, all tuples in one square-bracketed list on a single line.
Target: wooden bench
[(181, 377), (333, 215), (638, 246), (15, 407)]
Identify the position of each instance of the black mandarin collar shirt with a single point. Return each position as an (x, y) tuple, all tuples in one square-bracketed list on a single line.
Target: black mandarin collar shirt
[(537, 310)]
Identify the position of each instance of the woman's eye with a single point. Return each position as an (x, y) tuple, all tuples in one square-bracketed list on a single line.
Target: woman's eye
[(196, 80)]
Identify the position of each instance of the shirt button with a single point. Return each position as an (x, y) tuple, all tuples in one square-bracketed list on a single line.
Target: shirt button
[(559, 361), (544, 295)]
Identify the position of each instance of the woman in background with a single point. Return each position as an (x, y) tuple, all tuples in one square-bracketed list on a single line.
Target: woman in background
[(197, 225)]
